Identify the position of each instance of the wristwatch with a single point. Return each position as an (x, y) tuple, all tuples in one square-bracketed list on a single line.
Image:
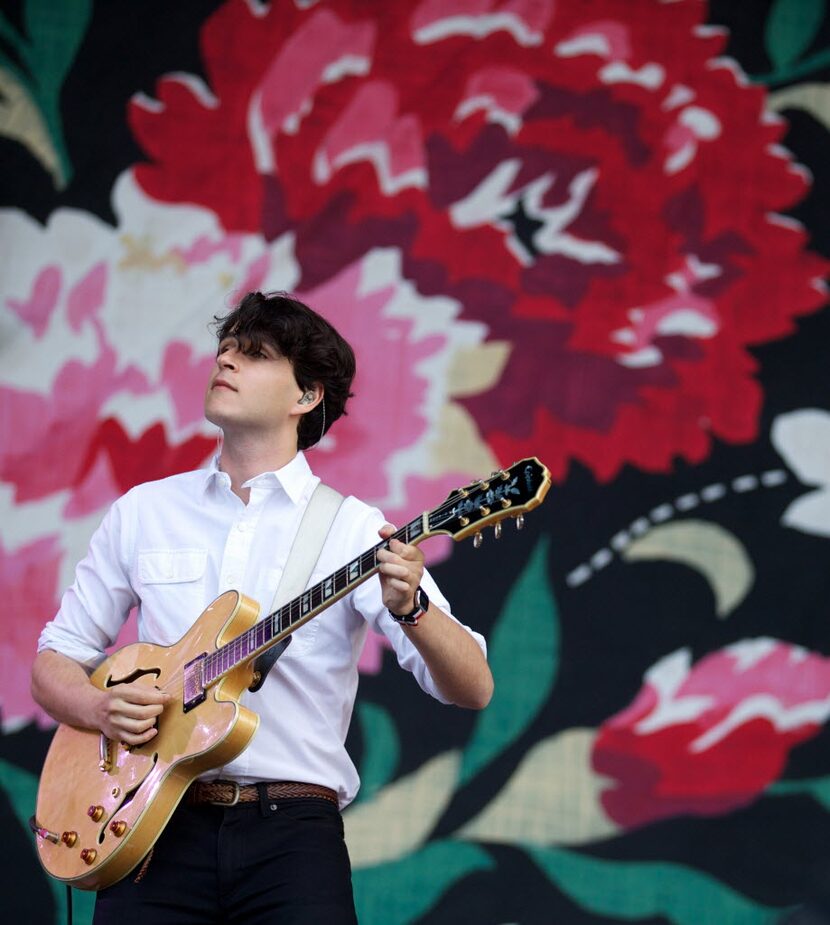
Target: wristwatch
[(414, 615)]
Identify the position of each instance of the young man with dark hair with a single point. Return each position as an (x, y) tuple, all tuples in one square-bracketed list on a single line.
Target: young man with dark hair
[(260, 839)]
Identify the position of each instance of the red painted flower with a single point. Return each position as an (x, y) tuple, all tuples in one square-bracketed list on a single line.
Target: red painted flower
[(709, 738), (597, 187)]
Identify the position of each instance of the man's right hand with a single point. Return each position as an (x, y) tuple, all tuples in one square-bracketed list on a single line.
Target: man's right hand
[(128, 712), (124, 713)]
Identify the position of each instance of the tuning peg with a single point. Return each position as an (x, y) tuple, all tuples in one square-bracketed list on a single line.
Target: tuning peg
[(477, 540), (497, 531), (520, 522)]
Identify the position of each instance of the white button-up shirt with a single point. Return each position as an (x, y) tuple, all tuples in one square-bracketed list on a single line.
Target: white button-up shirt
[(170, 547)]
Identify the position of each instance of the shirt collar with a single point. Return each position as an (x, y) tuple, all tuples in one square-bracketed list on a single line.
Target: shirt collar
[(293, 476)]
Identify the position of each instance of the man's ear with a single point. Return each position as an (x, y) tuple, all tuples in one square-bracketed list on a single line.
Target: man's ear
[(309, 400)]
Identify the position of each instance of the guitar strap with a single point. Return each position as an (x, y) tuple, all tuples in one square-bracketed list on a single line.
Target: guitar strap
[(305, 551)]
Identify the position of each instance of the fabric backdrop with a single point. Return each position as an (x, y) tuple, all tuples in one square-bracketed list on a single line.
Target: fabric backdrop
[(592, 231)]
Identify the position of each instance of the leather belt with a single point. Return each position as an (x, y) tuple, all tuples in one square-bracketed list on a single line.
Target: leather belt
[(229, 792)]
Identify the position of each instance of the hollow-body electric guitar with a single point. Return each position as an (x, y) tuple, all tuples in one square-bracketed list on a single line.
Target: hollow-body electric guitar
[(101, 805)]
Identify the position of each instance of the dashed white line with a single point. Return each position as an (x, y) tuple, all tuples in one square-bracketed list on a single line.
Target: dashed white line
[(771, 478)]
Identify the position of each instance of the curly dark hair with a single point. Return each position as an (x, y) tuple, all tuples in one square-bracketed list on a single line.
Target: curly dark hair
[(317, 353)]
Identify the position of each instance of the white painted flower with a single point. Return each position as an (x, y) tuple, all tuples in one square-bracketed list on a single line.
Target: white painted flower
[(803, 439)]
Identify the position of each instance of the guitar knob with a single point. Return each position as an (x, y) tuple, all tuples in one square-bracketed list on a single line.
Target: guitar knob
[(118, 828), (497, 531), (477, 540), (95, 813), (69, 838), (88, 855), (520, 522)]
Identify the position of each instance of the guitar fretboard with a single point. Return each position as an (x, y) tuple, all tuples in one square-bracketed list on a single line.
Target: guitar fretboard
[(277, 625)]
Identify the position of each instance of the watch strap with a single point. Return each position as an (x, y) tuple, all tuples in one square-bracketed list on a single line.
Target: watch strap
[(420, 608)]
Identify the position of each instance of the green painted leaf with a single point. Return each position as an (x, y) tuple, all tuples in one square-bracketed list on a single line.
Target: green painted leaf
[(524, 657), (381, 748), (53, 34), (790, 29), (21, 789), (817, 788), (402, 891), (630, 891)]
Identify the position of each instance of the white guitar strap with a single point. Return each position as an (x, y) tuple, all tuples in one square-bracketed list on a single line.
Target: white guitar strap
[(305, 551)]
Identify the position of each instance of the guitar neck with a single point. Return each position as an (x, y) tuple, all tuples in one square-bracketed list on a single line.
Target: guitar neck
[(507, 493), (284, 620)]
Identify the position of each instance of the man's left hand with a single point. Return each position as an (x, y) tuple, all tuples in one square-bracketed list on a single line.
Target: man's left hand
[(401, 570)]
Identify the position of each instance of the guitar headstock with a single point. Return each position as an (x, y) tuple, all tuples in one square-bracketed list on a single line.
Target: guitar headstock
[(506, 493)]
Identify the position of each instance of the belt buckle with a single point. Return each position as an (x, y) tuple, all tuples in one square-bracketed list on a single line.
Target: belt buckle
[(233, 801)]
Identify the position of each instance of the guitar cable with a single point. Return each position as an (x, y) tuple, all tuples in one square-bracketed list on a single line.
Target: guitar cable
[(37, 830)]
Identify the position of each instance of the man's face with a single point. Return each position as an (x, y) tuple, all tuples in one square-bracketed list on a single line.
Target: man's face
[(252, 392)]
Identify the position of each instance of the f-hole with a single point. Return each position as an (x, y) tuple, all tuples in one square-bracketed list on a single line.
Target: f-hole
[(138, 673)]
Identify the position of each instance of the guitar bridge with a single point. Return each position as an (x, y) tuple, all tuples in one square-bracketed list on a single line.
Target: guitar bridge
[(194, 687)]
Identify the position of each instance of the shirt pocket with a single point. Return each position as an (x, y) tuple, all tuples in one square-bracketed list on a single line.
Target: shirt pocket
[(171, 585)]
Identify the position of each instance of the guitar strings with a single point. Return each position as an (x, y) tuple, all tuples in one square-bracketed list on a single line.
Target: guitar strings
[(175, 683)]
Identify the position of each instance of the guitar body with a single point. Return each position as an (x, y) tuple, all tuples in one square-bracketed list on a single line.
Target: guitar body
[(137, 789)]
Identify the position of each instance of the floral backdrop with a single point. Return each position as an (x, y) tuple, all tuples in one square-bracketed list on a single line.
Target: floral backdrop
[(595, 232)]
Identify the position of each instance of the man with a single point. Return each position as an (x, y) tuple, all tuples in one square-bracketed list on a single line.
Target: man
[(282, 377)]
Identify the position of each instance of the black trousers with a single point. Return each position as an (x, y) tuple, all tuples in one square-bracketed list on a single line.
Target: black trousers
[(277, 863)]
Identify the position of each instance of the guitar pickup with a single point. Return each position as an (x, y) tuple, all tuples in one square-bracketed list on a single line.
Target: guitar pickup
[(194, 687)]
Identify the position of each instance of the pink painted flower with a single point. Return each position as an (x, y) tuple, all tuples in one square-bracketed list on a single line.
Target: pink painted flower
[(28, 578), (708, 738), (103, 374)]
